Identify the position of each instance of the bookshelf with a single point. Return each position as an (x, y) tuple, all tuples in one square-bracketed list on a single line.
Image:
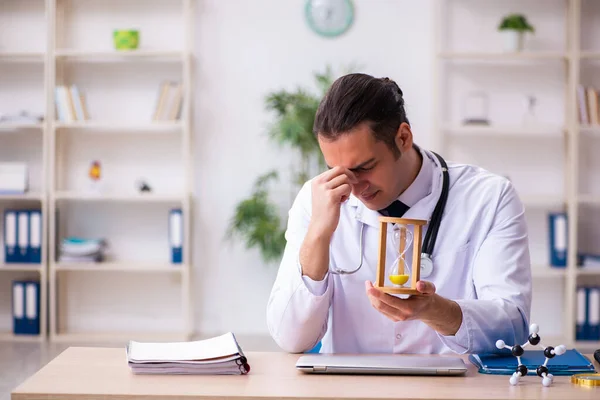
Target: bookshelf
[(24, 88), (121, 91), (70, 42), (551, 159)]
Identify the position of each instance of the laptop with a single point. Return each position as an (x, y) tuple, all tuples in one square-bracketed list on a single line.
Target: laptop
[(385, 364)]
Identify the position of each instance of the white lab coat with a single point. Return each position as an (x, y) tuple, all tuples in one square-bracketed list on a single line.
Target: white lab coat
[(481, 260)]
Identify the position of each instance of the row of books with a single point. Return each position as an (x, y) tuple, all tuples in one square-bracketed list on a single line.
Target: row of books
[(70, 104), (169, 102), (23, 240), (588, 313), (588, 105)]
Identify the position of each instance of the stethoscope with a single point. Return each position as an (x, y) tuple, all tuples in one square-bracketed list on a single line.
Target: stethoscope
[(430, 236)]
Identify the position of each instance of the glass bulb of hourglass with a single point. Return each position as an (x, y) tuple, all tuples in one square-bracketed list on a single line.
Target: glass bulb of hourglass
[(403, 238)]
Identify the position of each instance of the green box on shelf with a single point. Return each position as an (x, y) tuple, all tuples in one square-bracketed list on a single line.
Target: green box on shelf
[(126, 39)]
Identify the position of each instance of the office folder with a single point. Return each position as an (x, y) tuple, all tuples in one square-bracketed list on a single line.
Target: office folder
[(581, 314), (176, 235), (32, 308), (10, 237), (593, 314), (18, 307), (35, 237), (572, 362), (22, 236), (558, 237)]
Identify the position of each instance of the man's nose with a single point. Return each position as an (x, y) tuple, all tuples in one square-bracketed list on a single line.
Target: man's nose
[(359, 187)]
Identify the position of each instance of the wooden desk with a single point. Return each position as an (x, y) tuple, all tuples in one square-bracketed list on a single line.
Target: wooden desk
[(100, 373)]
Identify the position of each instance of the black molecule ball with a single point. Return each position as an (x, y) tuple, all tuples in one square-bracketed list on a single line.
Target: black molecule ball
[(548, 352), (541, 370), (522, 370), (517, 350), (534, 340)]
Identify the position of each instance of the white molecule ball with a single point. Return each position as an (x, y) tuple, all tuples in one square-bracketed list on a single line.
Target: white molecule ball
[(500, 344), (514, 379), (534, 328), (547, 381), (560, 350)]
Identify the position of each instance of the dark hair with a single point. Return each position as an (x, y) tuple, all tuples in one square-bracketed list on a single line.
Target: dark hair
[(357, 98)]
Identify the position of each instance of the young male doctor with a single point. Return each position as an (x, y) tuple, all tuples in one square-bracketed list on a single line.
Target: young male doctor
[(475, 290)]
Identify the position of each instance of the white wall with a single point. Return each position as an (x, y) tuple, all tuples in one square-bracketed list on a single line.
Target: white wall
[(244, 50)]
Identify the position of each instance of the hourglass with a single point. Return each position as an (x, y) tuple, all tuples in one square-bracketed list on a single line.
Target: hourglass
[(403, 238)]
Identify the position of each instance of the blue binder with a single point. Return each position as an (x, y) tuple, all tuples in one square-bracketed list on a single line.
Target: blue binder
[(176, 235), (572, 362), (581, 320), (10, 237), (558, 239), (26, 307), (23, 236), (35, 237)]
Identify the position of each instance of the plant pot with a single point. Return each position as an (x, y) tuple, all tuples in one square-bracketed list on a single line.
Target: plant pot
[(513, 40)]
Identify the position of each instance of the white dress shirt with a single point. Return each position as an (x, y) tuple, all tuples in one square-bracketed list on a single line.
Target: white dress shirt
[(481, 261)]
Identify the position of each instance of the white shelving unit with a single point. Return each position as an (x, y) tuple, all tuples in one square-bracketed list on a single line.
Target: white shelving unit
[(539, 157), (121, 90), (69, 42), (24, 87)]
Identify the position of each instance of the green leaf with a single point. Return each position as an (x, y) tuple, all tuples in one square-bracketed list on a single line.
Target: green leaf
[(256, 220), (516, 22)]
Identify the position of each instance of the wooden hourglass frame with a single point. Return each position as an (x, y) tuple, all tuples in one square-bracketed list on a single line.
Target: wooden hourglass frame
[(416, 259)]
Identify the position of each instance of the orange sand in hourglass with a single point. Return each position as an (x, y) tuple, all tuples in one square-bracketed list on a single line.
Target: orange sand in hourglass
[(397, 275)]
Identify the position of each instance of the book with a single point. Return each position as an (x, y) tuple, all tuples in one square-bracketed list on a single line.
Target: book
[(220, 355), (572, 362)]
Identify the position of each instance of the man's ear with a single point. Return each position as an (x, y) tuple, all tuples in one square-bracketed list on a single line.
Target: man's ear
[(404, 139)]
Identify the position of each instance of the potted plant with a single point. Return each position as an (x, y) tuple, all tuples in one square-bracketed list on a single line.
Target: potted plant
[(257, 220), (514, 27)]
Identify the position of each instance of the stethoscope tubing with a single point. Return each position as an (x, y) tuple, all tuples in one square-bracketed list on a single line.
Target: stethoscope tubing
[(434, 223)]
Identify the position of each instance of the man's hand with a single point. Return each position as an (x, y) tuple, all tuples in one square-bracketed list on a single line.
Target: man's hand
[(329, 191), (443, 315)]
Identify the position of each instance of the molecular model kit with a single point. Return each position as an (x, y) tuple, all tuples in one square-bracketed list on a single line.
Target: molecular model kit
[(518, 350)]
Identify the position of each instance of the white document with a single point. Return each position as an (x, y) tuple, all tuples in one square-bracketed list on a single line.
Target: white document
[(13, 177), (220, 355), (200, 350)]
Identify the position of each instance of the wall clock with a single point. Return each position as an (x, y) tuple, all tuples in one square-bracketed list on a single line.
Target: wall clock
[(329, 17)]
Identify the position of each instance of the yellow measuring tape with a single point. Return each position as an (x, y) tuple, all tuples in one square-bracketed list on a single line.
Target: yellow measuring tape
[(586, 379)]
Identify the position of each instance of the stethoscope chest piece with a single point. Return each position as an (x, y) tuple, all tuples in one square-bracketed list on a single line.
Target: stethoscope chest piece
[(426, 265)]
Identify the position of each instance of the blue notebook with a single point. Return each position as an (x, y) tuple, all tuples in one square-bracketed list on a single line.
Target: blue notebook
[(572, 362)]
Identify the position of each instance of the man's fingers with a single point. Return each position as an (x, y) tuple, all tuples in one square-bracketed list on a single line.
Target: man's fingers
[(334, 172), (377, 301), (341, 192), (338, 181), (426, 287)]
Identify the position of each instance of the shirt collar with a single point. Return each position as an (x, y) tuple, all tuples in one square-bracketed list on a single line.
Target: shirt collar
[(421, 186)]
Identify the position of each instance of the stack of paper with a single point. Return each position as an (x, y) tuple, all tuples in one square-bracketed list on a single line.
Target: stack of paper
[(76, 249), (220, 355)]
